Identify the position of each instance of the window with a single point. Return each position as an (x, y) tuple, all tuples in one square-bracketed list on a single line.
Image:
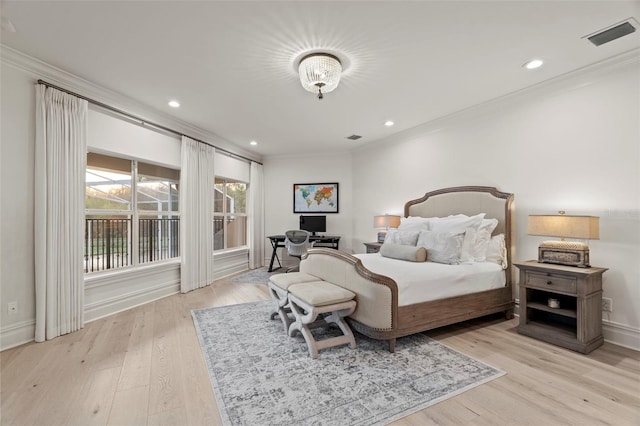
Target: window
[(230, 214), (131, 213)]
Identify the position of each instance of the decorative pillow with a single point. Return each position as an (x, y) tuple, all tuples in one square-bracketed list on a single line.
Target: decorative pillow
[(442, 247), (497, 251), (488, 225), (458, 223), (468, 246), (414, 223), (478, 247), (403, 252), (407, 238)]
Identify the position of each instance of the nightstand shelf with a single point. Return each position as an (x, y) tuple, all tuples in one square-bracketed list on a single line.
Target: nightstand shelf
[(559, 311), (577, 323)]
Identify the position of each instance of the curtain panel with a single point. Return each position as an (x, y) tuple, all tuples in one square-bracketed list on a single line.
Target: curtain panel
[(197, 185), (256, 216), (60, 163)]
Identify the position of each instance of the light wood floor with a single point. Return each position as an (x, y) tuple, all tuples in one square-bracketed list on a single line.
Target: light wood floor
[(144, 366)]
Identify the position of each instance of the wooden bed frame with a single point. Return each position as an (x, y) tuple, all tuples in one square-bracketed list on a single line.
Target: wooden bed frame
[(378, 314)]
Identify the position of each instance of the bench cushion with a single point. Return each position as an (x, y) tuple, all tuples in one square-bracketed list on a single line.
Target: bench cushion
[(321, 293), (284, 281)]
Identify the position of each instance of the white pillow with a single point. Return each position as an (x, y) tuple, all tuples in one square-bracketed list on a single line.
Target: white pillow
[(478, 246), (407, 238), (467, 252), (497, 251), (458, 223), (488, 224), (414, 223), (442, 247)]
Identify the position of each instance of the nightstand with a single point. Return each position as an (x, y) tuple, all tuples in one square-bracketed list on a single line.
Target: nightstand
[(576, 323), (373, 247)]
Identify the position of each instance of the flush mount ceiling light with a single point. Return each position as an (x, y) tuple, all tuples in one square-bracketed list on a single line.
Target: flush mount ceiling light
[(174, 104), (320, 73)]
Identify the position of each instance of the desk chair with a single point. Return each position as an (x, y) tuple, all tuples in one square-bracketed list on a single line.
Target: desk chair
[(297, 242)]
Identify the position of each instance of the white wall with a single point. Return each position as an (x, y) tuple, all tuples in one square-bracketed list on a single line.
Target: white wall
[(280, 173), (573, 145), (17, 274), (113, 134)]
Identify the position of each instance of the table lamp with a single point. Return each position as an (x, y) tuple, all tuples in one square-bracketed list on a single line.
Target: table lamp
[(572, 253), (385, 221)]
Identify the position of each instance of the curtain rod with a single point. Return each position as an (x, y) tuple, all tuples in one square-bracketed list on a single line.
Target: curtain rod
[(143, 121)]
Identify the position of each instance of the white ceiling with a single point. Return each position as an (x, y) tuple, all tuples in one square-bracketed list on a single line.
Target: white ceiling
[(232, 65)]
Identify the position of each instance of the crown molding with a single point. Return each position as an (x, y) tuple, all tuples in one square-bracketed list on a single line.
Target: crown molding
[(74, 83), (316, 155)]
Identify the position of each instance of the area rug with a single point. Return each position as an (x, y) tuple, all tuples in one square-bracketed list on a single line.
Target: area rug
[(255, 276), (260, 376)]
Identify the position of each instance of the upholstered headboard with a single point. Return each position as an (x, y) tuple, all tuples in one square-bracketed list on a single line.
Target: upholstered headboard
[(469, 200)]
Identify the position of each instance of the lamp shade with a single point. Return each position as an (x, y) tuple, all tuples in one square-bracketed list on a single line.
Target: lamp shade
[(386, 221), (565, 226)]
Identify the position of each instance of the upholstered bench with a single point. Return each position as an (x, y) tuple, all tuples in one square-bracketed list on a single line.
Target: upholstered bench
[(279, 289), (310, 299)]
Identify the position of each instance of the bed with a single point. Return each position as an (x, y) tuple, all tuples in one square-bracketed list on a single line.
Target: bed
[(385, 310)]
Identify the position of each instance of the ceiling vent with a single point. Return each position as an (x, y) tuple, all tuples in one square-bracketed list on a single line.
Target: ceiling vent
[(354, 137), (614, 32)]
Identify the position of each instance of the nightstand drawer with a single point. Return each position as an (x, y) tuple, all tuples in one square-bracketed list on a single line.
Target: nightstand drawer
[(551, 282), (373, 247)]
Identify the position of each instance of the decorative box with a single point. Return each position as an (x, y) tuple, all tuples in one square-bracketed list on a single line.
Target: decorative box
[(572, 254)]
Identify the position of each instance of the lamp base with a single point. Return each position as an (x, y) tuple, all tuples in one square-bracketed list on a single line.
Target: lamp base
[(568, 253), (381, 236)]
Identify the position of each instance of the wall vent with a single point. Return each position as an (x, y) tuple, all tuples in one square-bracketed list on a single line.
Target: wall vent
[(354, 137), (614, 32)]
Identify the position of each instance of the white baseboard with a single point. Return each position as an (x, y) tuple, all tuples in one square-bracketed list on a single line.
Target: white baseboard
[(17, 334), (621, 335), (130, 300)]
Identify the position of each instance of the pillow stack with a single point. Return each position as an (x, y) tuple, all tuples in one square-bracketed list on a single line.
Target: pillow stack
[(455, 239)]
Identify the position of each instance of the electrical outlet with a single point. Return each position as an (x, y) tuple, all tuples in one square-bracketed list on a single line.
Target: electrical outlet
[(607, 304), (12, 308)]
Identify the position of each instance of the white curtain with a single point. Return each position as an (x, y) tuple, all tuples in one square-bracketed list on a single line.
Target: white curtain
[(256, 216), (60, 162), (197, 180)]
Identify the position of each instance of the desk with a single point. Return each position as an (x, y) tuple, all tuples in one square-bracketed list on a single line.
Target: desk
[(277, 241)]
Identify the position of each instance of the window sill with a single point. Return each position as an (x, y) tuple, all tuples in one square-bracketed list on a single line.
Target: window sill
[(231, 252), (138, 270)]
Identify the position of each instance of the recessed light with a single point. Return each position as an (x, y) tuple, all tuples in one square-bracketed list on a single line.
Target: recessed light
[(254, 143), (533, 64), (174, 104), (389, 123)]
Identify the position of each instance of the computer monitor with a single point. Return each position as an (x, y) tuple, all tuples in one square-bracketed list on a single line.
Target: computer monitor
[(313, 224)]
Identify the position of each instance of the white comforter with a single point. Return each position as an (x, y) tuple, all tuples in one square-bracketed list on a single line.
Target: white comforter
[(426, 281)]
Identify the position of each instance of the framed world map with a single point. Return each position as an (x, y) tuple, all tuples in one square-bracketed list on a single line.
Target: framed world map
[(315, 197)]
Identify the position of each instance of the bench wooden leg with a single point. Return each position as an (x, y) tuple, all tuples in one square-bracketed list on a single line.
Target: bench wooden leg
[(280, 305), (305, 317), (338, 319)]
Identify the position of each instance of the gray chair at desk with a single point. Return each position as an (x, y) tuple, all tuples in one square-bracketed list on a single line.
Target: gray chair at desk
[(297, 242)]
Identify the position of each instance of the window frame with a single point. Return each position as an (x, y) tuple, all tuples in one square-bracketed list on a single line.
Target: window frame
[(226, 215), (134, 214)]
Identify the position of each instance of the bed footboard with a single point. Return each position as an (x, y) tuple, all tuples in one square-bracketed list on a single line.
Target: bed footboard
[(376, 295)]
